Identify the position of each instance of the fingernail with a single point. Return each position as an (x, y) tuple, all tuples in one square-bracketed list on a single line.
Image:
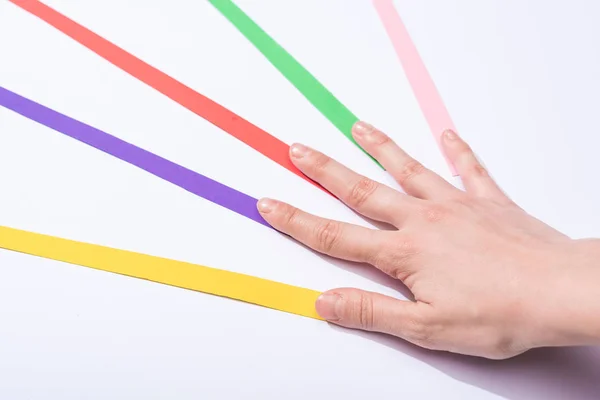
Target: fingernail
[(298, 150), (362, 129), (450, 134), (265, 206), (327, 306)]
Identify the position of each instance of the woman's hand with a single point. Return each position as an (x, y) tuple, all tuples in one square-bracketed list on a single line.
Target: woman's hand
[(487, 278)]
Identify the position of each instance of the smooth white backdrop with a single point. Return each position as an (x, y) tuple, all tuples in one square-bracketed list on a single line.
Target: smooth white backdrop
[(519, 78)]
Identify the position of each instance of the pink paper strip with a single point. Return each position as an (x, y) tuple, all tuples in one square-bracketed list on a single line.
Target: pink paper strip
[(427, 95)]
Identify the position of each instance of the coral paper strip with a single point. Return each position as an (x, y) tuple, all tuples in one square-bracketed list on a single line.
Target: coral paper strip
[(313, 90), (187, 179), (266, 293), (427, 95), (206, 108)]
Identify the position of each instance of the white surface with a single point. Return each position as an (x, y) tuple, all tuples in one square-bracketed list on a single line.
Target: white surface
[(519, 79)]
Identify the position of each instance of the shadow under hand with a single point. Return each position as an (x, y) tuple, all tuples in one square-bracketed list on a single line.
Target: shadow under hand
[(548, 373)]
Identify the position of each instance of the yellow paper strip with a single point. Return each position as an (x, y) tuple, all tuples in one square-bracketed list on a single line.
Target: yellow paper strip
[(279, 296)]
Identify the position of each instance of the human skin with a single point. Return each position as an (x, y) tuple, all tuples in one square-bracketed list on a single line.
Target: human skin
[(487, 278)]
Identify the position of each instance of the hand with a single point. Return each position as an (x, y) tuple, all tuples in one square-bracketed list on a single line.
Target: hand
[(487, 278)]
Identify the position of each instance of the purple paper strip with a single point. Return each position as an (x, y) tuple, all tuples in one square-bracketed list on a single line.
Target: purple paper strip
[(187, 179)]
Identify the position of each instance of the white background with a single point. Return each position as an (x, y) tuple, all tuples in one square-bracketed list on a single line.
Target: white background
[(519, 79)]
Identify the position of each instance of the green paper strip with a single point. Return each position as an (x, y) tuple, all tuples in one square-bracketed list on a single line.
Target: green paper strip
[(304, 81)]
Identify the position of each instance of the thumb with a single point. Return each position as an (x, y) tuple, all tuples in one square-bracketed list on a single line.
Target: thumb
[(358, 309)]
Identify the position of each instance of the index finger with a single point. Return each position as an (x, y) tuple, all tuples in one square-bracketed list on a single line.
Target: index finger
[(334, 238)]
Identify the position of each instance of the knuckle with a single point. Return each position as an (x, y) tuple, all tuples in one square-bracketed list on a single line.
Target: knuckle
[(466, 157), (364, 312), (502, 347), (399, 260), (320, 164), (479, 170), (290, 215), (379, 138), (419, 328), (464, 150), (328, 234), (409, 171), (472, 164), (401, 271), (361, 192), (434, 212)]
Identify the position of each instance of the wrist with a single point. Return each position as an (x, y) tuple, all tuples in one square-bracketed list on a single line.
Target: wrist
[(569, 310)]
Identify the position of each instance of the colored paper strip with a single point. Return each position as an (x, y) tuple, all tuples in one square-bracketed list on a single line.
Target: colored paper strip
[(187, 179), (206, 108), (424, 88), (313, 90), (263, 292)]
